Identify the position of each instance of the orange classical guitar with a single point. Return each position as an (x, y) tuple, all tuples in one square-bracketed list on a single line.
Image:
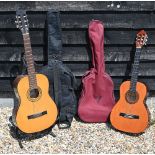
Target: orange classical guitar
[(130, 113), (36, 110)]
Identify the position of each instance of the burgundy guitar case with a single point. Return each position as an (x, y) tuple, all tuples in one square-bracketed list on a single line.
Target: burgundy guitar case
[(97, 98)]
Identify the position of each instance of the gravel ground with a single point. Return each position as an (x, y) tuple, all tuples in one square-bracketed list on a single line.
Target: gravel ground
[(80, 138)]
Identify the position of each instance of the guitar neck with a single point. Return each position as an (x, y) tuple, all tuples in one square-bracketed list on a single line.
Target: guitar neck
[(29, 61), (135, 70)]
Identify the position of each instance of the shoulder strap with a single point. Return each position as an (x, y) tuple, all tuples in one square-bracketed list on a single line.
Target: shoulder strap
[(54, 43), (96, 37)]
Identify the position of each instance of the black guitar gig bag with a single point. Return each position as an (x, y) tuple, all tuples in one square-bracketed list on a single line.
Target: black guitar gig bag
[(61, 80)]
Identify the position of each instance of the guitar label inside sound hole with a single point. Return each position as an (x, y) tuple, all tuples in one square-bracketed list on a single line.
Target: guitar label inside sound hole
[(37, 115), (130, 116)]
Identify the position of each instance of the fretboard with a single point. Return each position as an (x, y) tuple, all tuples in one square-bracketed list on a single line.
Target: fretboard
[(29, 62), (135, 71)]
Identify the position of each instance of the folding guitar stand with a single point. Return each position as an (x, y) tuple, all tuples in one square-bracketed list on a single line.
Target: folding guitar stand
[(21, 136)]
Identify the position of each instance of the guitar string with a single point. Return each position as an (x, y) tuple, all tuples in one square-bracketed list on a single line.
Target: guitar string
[(30, 65), (134, 75)]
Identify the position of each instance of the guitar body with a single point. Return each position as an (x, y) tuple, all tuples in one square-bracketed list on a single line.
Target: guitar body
[(137, 110), (34, 114)]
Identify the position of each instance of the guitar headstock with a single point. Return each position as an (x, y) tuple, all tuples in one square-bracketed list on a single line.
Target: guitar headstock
[(22, 21), (141, 39)]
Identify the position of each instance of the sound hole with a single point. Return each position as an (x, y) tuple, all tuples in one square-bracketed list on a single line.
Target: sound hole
[(34, 93), (132, 97)]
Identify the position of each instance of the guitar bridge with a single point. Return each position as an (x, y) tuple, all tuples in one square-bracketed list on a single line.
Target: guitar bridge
[(130, 116), (37, 115)]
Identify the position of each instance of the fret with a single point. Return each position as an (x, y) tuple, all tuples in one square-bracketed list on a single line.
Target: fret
[(29, 58), (26, 37), (31, 65), (26, 43), (28, 48), (31, 71), (32, 84), (32, 79), (29, 55)]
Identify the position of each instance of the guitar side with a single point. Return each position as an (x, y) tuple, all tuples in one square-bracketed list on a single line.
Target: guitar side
[(16, 98), (140, 116)]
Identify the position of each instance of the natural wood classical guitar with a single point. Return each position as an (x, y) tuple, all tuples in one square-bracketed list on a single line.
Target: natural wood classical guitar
[(130, 113), (36, 110)]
